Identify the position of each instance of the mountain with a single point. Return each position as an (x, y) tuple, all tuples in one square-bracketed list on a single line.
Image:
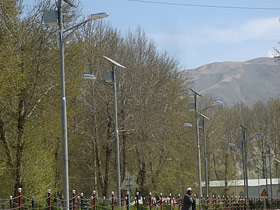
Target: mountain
[(233, 82)]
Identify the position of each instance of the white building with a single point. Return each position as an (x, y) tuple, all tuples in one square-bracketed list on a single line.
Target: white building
[(258, 188)]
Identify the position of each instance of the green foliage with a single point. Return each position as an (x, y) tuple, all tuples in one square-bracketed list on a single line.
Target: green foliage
[(29, 108), (157, 150)]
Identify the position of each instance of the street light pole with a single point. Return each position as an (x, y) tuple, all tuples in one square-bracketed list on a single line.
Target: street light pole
[(205, 145), (244, 152), (63, 95), (117, 136), (244, 173), (63, 111), (259, 193), (266, 184), (244, 159), (205, 154), (269, 156), (114, 77), (198, 146)]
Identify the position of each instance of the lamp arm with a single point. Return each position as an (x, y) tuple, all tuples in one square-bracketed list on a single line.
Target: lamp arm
[(74, 28)]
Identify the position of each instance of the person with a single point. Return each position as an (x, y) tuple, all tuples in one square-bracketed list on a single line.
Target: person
[(188, 202)]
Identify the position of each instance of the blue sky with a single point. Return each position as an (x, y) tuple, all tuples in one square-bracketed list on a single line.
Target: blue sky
[(197, 35)]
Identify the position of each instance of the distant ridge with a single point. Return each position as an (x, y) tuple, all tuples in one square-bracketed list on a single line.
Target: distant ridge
[(263, 60), (233, 82)]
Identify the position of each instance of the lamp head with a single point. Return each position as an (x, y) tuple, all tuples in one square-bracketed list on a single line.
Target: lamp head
[(231, 144), (98, 16), (89, 76), (188, 124), (217, 102)]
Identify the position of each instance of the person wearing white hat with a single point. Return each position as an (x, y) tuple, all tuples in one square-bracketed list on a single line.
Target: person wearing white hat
[(188, 202)]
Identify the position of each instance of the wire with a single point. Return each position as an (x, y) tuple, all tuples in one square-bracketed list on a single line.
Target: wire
[(205, 5)]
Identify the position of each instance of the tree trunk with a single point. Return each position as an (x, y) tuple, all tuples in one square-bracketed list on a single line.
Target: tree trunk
[(100, 179), (215, 167), (19, 147), (5, 144), (142, 178), (108, 152), (57, 168), (226, 173), (106, 177), (124, 138), (141, 173)]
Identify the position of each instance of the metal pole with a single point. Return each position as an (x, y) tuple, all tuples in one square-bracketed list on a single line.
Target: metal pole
[(95, 170), (117, 138), (63, 112), (205, 159), (235, 186), (270, 177), (243, 159), (94, 141), (244, 165), (198, 151), (246, 170), (266, 184), (128, 198), (277, 175), (259, 184)]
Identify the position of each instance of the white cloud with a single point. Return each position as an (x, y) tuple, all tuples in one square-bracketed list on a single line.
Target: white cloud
[(204, 44), (257, 29), (273, 53)]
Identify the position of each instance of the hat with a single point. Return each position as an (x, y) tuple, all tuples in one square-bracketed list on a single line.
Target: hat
[(189, 189)]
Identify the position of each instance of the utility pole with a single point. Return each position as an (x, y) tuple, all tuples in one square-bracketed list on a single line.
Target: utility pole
[(198, 146)]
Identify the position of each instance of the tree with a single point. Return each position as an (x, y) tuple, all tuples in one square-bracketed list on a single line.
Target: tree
[(29, 110), (151, 97)]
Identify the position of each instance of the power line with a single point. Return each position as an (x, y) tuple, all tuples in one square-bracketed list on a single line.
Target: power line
[(205, 5)]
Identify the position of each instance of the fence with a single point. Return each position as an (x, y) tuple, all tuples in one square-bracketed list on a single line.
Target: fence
[(238, 203), (137, 203)]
